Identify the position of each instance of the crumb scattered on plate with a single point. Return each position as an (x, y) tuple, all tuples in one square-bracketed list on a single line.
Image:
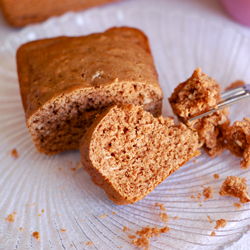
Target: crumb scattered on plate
[(125, 229), (237, 205), (161, 206), (208, 193), (213, 234), (36, 235), (176, 218), (21, 229), (235, 186), (113, 212), (216, 176), (14, 153), (103, 216), (10, 218), (209, 219), (42, 210), (220, 223), (63, 230), (90, 243)]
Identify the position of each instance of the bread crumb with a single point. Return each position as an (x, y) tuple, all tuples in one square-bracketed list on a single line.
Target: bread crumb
[(39, 215), (220, 223), (37, 236), (26, 212), (73, 169), (113, 212), (216, 176), (59, 169), (161, 206), (21, 229), (213, 234), (14, 153), (237, 205), (167, 197), (200, 205), (59, 215), (120, 246), (63, 230), (164, 217), (125, 229), (236, 187), (103, 216), (11, 218), (194, 161), (176, 218), (90, 243), (209, 219), (42, 210), (83, 220), (171, 190), (208, 193), (146, 233)]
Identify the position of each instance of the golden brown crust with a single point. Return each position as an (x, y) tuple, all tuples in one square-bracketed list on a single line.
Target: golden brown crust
[(20, 13), (133, 150), (66, 81), (50, 68)]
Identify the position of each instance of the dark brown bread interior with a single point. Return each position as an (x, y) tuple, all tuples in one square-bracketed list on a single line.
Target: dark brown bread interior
[(128, 152)]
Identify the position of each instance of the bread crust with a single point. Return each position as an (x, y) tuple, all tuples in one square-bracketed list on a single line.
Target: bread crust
[(20, 13), (89, 73)]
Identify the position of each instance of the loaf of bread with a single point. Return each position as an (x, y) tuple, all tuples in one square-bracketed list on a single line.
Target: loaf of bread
[(127, 152), (66, 81), (196, 95), (23, 12)]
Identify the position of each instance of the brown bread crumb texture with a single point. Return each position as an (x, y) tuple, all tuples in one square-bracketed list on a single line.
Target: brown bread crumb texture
[(238, 141), (37, 236), (197, 95), (66, 82), (208, 193), (21, 13), (236, 187), (10, 217), (220, 223), (128, 152)]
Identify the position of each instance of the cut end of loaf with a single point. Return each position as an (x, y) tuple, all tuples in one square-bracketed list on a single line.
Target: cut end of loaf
[(128, 152), (60, 124)]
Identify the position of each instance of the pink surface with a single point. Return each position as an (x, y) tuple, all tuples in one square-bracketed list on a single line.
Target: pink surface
[(238, 9)]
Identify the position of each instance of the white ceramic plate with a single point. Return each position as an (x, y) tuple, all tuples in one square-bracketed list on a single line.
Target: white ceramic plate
[(180, 42)]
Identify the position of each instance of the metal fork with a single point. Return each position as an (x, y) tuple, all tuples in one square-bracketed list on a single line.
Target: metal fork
[(229, 98)]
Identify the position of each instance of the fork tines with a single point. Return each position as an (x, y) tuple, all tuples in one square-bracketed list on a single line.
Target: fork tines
[(229, 98)]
